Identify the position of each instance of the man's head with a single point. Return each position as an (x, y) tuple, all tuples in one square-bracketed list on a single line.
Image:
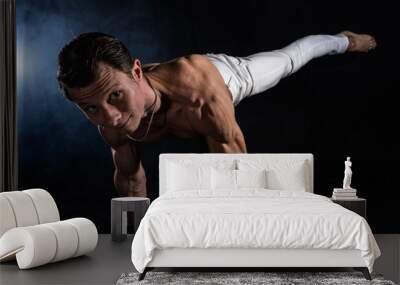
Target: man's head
[(98, 74)]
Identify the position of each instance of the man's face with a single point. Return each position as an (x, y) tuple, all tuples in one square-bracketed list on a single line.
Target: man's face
[(115, 100)]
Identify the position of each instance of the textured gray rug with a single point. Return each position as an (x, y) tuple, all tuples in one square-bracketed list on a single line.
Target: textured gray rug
[(242, 278)]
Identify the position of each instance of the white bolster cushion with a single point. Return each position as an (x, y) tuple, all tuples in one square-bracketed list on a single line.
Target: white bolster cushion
[(26, 208), (7, 219), (33, 246), (45, 205), (40, 244), (87, 234), (23, 208), (67, 240)]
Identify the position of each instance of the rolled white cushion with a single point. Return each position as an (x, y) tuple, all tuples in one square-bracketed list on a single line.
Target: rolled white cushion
[(45, 205), (23, 208), (67, 239), (41, 244), (26, 208), (33, 245), (87, 234), (7, 218)]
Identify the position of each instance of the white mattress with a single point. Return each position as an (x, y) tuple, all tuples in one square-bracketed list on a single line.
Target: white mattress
[(252, 218)]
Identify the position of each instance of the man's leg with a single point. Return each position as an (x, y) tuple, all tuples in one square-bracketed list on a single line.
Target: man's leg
[(253, 74), (266, 69)]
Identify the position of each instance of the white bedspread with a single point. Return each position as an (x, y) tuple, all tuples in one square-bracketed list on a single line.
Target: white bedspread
[(251, 218)]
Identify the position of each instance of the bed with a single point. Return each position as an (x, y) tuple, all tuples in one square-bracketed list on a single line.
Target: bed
[(247, 211)]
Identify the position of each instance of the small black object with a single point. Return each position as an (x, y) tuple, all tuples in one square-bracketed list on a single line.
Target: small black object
[(364, 271), (143, 274)]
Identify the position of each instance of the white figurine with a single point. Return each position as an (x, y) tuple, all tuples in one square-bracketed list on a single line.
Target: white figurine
[(347, 174)]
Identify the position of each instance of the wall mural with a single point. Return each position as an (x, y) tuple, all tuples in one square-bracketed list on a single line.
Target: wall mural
[(93, 75)]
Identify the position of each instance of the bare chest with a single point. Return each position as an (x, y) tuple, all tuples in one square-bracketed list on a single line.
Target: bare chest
[(177, 119), (180, 120)]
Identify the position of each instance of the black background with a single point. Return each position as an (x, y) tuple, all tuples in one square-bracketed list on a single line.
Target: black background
[(335, 106)]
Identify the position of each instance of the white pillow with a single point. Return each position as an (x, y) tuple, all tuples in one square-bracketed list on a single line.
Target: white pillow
[(228, 179), (223, 179), (282, 174), (251, 178), (188, 177)]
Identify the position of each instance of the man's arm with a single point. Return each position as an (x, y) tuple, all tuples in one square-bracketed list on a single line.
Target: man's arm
[(129, 175), (236, 145), (216, 120)]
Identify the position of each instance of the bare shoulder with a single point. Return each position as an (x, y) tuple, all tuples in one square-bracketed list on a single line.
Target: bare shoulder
[(113, 138), (191, 80), (200, 73), (183, 63), (149, 66), (205, 70), (185, 66), (194, 60)]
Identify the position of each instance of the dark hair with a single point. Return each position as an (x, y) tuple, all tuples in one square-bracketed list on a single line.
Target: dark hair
[(78, 60)]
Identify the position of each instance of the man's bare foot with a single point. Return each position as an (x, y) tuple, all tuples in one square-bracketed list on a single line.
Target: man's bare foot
[(359, 42)]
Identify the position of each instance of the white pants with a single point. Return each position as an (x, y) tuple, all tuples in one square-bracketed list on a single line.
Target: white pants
[(245, 76)]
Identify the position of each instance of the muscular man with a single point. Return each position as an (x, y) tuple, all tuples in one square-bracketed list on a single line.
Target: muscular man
[(187, 96)]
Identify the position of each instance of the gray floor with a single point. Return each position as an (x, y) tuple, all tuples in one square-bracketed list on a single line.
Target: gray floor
[(110, 260), (389, 262), (103, 266)]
